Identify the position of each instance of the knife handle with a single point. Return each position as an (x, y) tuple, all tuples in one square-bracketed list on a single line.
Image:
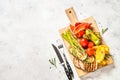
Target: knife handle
[(69, 69), (67, 73)]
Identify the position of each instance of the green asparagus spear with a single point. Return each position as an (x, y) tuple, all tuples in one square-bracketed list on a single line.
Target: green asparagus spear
[(76, 48)]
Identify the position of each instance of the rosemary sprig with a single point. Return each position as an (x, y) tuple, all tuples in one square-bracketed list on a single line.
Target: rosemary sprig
[(104, 30), (53, 62)]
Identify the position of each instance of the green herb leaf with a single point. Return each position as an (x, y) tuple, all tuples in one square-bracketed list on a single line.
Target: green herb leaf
[(53, 61), (104, 30)]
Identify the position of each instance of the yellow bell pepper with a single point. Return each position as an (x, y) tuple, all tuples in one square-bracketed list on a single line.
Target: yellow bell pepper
[(100, 52)]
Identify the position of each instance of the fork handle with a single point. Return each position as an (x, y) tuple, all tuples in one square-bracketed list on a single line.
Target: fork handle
[(68, 66), (67, 73)]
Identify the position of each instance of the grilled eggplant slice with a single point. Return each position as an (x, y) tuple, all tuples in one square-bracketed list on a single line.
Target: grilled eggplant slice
[(88, 67)]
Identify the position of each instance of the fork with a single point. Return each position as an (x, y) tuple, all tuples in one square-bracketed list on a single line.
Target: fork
[(61, 48)]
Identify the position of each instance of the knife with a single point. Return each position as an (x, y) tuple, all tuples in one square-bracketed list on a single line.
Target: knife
[(62, 62)]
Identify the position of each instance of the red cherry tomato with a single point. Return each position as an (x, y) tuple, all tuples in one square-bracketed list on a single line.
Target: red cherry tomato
[(83, 42), (90, 44), (90, 51)]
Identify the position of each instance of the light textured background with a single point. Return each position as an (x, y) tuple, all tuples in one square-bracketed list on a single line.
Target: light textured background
[(28, 27)]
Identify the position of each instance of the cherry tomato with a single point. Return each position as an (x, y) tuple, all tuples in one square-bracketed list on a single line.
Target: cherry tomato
[(80, 34), (90, 51), (90, 44), (83, 42)]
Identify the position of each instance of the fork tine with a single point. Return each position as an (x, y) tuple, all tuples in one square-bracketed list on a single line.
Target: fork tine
[(60, 46), (59, 43)]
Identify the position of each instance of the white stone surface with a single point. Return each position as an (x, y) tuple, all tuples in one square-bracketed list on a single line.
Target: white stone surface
[(28, 27)]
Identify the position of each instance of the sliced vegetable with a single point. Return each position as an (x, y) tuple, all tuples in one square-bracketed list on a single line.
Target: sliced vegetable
[(80, 34), (100, 54), (103, 63), (77, 23), (90, 59), (93, 37), (72, 27), (103, 47), (106, 48), (81, 27)]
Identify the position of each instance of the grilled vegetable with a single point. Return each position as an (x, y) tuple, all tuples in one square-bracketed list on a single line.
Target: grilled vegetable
[(93, 37), (101, 52), (106, 48), (72, 27), (90, 44), (76, 49), (79, 29), (90, 59), (83, 42), (99, 55), (86, 66), (97, 34), (103, 63), (80, 34)]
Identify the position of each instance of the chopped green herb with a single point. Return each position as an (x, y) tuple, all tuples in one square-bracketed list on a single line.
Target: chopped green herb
[(53, 61), (104, 30)]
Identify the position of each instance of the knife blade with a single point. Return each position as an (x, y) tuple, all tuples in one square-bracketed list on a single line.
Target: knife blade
[(58, 53), (62, 62)]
